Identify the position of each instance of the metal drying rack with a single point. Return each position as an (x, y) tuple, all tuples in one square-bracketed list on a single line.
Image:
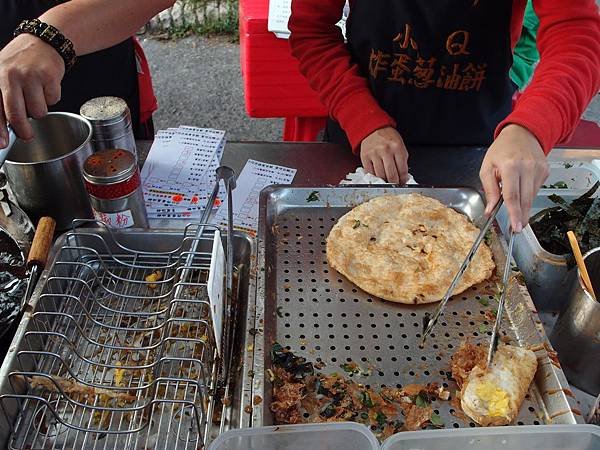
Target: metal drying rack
[(120, 349)]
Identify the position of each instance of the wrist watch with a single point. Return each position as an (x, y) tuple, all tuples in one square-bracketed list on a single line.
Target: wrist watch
[(51, 36)]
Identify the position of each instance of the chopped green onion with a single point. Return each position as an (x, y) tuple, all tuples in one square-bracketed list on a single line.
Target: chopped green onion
[(420, 401), (366, 400), (436, 420), (313, 197)]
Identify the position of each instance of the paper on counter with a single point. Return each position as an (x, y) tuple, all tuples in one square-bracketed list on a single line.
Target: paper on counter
[(190, 203), (178, 175), (253, 178)]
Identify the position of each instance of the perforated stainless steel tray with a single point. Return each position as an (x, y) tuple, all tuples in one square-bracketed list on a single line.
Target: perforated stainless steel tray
[(303, 304)]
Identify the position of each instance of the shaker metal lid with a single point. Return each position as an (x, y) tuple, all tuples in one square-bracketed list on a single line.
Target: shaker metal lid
[(104, 109), (109, 166)]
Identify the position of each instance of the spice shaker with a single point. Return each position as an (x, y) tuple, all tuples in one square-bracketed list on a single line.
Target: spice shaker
[(113, 182), (111, 123)]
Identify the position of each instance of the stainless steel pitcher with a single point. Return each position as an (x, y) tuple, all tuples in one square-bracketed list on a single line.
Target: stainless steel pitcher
[(45, 175), (576, 335)]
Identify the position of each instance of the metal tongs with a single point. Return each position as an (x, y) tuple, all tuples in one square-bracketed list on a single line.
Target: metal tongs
[(429, 324), (505, 276), (227, 175)]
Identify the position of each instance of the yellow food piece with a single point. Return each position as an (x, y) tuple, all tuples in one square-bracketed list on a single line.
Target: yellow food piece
[(495, 398), (119, 374), (153, 278)]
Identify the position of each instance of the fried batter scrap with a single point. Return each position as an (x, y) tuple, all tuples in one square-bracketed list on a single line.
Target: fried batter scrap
[(287, 398), (417, 417), (465, 359), (56, 384), (153, 278), (301, 396)]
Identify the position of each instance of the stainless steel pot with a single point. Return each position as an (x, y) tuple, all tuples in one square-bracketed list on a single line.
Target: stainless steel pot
[(576, 335), (45, 175)]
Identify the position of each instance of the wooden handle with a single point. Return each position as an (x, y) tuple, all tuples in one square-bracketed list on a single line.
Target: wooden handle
[(42, 241), (581, 263)]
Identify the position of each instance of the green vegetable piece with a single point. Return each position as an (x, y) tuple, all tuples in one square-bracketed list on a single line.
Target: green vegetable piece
[(350, 368), (482, 328), (381, 419), (364, 415), (436, 421), (568, 165), (328, 411), (484, 301), (420, 401), (313, 197), (366, 399), (487, 237), (560, 185), (356, 224)]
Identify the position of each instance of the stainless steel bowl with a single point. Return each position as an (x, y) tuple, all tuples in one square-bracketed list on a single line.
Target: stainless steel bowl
[(576, 335), (45, 174)]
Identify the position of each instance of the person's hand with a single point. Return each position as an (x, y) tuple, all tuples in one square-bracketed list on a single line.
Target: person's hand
[(30, 76), (383, 154), (517, 162)]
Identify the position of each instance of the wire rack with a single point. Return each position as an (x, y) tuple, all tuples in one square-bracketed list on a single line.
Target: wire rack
[(120, 351)]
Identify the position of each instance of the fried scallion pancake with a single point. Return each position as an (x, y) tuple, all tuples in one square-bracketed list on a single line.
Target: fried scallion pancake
[(406, 248)]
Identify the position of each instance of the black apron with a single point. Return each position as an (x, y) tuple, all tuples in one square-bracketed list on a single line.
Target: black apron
[(111, 72), (438, 67)]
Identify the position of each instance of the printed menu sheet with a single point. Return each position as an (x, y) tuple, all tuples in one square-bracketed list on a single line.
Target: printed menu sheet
[(179, 176), (255, 176), (179, 173)]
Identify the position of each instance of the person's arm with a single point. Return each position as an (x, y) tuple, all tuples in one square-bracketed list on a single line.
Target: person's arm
[(564, 82), (94, 25), (31, 70), (324, 60), (568, 74)]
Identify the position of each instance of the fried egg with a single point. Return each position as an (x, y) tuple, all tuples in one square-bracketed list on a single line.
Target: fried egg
[(494, 396)]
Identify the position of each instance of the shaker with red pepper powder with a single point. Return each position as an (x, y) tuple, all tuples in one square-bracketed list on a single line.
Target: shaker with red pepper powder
[(112, 180)]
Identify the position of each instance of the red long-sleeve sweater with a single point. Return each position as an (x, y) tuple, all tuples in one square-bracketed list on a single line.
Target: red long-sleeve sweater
[(564, 82)]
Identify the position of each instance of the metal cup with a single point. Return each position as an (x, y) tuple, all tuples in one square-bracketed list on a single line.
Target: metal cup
[(45, 175), (576, 335)]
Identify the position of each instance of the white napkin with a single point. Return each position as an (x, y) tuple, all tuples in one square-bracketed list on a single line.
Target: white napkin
[(360, 176)]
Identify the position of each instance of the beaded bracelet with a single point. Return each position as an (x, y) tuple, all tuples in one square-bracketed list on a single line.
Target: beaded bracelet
[(51, 36)]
